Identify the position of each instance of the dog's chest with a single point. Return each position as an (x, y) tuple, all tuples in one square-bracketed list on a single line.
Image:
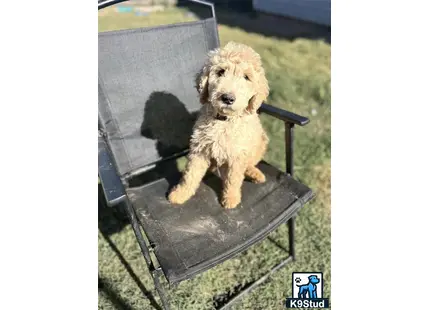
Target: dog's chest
[(223, 140)]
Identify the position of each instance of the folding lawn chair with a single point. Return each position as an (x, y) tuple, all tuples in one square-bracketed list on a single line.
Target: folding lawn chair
[(147, 107)]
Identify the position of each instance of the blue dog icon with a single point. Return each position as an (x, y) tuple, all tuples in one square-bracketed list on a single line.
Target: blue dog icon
[(309, 290)]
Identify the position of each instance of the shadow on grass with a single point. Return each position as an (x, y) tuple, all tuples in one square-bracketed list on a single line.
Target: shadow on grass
[(278, 245), (241, 15), (132, 274), (220, 300), (110, 294), (113, 220)]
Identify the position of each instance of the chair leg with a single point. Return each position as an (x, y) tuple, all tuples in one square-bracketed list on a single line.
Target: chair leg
[(289, 155), (145, 251), (256, 283), (291, 228), (160, 289), (290, 258)]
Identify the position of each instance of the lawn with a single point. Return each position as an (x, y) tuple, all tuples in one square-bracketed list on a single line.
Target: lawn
[(299, 77)]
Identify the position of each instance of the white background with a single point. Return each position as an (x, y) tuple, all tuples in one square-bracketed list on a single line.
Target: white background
[(48, 153)]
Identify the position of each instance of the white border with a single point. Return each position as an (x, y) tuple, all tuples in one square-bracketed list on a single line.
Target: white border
[(380, 153), (48, 72), (48, 68)]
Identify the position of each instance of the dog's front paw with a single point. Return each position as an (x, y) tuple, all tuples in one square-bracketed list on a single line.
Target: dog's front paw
[(178, 195), (258, 178), (230, 201), (255, 175)]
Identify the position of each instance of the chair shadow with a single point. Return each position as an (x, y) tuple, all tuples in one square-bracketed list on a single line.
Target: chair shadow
[(278, 245), (132, 274), (242, 15), (113, 296), (219, 300), (113, 220)]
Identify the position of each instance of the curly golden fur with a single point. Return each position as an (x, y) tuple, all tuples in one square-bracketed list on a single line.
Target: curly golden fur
[(228, 133)]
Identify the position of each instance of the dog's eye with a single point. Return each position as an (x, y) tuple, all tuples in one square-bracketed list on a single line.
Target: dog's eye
[(221, 72), (246, 77)]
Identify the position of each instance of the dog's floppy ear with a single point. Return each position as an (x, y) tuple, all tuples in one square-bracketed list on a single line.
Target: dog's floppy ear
[(202, 83), (262, 88)]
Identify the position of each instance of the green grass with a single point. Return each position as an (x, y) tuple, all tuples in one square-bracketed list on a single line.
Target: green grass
[(299, 76)]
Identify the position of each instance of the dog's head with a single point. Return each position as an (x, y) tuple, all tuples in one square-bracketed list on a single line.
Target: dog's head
[(313, 279), (233, 80)]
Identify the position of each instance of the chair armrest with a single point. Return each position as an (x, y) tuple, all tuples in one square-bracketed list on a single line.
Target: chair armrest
[(284, 115), (111, 183)]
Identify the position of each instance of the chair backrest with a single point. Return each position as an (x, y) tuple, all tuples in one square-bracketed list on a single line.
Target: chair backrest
[(147, 96)]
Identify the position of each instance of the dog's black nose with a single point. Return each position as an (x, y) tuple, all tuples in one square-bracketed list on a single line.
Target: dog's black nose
[(228, 98)]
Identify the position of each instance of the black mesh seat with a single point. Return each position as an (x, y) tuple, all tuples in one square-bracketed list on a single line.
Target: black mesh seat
[(200, 234)]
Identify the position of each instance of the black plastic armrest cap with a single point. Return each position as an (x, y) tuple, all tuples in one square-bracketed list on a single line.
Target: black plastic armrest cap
[(284, 115)]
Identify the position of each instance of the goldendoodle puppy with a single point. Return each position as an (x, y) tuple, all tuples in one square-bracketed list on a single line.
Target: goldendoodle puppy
[(228, 133)]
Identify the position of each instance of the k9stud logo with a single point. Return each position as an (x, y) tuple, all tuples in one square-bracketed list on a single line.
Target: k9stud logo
[(307, 291)]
